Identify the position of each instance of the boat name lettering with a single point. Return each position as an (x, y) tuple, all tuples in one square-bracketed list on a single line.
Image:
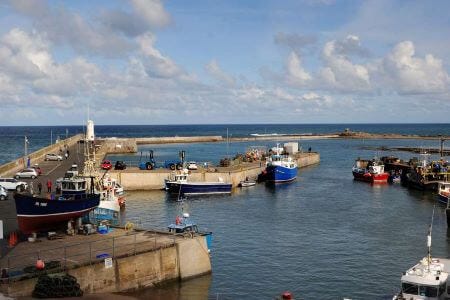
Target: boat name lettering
[(40, 204)]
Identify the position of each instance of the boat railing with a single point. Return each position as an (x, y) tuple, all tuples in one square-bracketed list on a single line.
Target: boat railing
[(76, 255)]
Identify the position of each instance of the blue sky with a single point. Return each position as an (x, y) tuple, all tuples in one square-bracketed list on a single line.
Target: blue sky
[(197, 62)]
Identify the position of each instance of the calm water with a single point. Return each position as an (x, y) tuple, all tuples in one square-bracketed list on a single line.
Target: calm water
[(323, 236)]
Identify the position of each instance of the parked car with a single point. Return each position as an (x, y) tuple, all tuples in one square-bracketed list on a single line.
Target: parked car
[(27, 173), (13, 184), (3, 193), (120, 165), (192, 165), (55, 157), (106, 165), (38, 169)]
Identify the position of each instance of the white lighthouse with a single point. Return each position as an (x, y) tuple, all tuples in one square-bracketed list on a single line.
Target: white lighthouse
[(90, 136)]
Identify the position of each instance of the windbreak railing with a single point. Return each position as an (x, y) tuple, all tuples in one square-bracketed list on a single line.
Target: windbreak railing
[(86, 253)]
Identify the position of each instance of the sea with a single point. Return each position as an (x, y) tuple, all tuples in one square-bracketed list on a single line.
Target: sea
[(323, 236)]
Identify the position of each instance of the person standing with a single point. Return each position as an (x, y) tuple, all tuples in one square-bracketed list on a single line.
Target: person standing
[(39, 187), (66, 155), (49, 186)]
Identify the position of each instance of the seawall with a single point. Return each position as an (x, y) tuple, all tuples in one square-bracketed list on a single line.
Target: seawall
[(186, 258)]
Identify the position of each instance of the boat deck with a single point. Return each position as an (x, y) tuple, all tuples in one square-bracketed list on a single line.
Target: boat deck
[(72, 251)]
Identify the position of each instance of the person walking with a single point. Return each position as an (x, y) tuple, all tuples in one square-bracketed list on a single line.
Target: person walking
[(66, 155), (39, 187), (49, 186)]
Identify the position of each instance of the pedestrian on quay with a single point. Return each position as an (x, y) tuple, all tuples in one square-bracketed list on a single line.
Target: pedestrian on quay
[(39, 187), (66, 155), (49, 186)]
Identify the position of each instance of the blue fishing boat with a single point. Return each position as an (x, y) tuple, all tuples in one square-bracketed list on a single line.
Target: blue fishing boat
[(179, 184), (184, 225), (280, 168), (35, 214)]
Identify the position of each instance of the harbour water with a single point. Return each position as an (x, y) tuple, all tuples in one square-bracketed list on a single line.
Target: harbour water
[(323, 236)]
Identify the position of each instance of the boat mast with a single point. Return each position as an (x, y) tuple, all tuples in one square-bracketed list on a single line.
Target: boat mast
[(429, 240)]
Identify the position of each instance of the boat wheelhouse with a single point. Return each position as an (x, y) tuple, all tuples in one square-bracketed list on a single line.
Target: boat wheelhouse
[(443, 192)]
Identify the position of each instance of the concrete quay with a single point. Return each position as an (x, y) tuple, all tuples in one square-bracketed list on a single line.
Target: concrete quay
[(135, 179), (140, 258)]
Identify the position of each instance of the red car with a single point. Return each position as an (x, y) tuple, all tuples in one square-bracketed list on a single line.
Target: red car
[(106, 165)]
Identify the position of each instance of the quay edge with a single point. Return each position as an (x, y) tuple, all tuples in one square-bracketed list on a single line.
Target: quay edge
[(135, 179), (187, 258)]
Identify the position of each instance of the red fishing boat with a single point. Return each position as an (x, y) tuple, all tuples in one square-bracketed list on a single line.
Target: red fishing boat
[(369, 171)]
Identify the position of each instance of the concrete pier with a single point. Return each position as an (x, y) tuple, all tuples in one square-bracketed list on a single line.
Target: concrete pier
[(139, 259), (135, 179)]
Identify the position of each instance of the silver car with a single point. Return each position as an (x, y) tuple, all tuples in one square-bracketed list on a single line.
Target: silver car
[(27, 173), (52, 156), (3, 193)]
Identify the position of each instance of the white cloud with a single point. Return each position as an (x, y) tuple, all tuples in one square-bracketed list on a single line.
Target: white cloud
[(296, 74), (62, 26), (155, 63), (220, 75), (408, 74), (152, 11), (339, 71)]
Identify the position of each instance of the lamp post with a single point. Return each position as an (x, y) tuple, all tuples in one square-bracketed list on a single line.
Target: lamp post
[(25, 152)]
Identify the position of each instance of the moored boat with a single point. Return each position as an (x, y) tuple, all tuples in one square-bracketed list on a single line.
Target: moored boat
[(247, 183), (429, 279), (179, 184), (443, 191), (369, 171), (36, 214), (184, 225), (279, 168)]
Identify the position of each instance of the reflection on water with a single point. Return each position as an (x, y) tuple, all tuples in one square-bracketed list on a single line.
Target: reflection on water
[(195, 288)]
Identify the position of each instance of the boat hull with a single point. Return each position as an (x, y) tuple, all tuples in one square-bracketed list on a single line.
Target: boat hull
[(39, 214), (247, 183), (443, 198), (280, 174), (198, 188), (369, 177)]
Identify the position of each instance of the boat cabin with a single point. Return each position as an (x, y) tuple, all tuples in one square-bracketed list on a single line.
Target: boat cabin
[(73, 186), (444, 187), (180, 177), (426, 280), (376, 169), (182, 225)]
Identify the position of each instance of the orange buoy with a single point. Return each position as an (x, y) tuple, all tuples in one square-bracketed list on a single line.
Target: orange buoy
[(40, 265), (287, 295)]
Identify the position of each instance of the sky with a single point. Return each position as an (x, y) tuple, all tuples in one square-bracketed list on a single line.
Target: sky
[(224, 62)]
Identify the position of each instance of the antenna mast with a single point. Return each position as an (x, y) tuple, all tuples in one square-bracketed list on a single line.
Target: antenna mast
[(429, 240)]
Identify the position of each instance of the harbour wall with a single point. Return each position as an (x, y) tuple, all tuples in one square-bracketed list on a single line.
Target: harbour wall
[(185, 259), (179, 139), (135, 179), (37, 156)]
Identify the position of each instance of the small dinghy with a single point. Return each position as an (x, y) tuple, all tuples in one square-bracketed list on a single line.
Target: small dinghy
[(247, 183)]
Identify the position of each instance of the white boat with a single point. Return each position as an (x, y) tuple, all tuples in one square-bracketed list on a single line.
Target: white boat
[(429, 279), (443, 191), (247, 183)]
